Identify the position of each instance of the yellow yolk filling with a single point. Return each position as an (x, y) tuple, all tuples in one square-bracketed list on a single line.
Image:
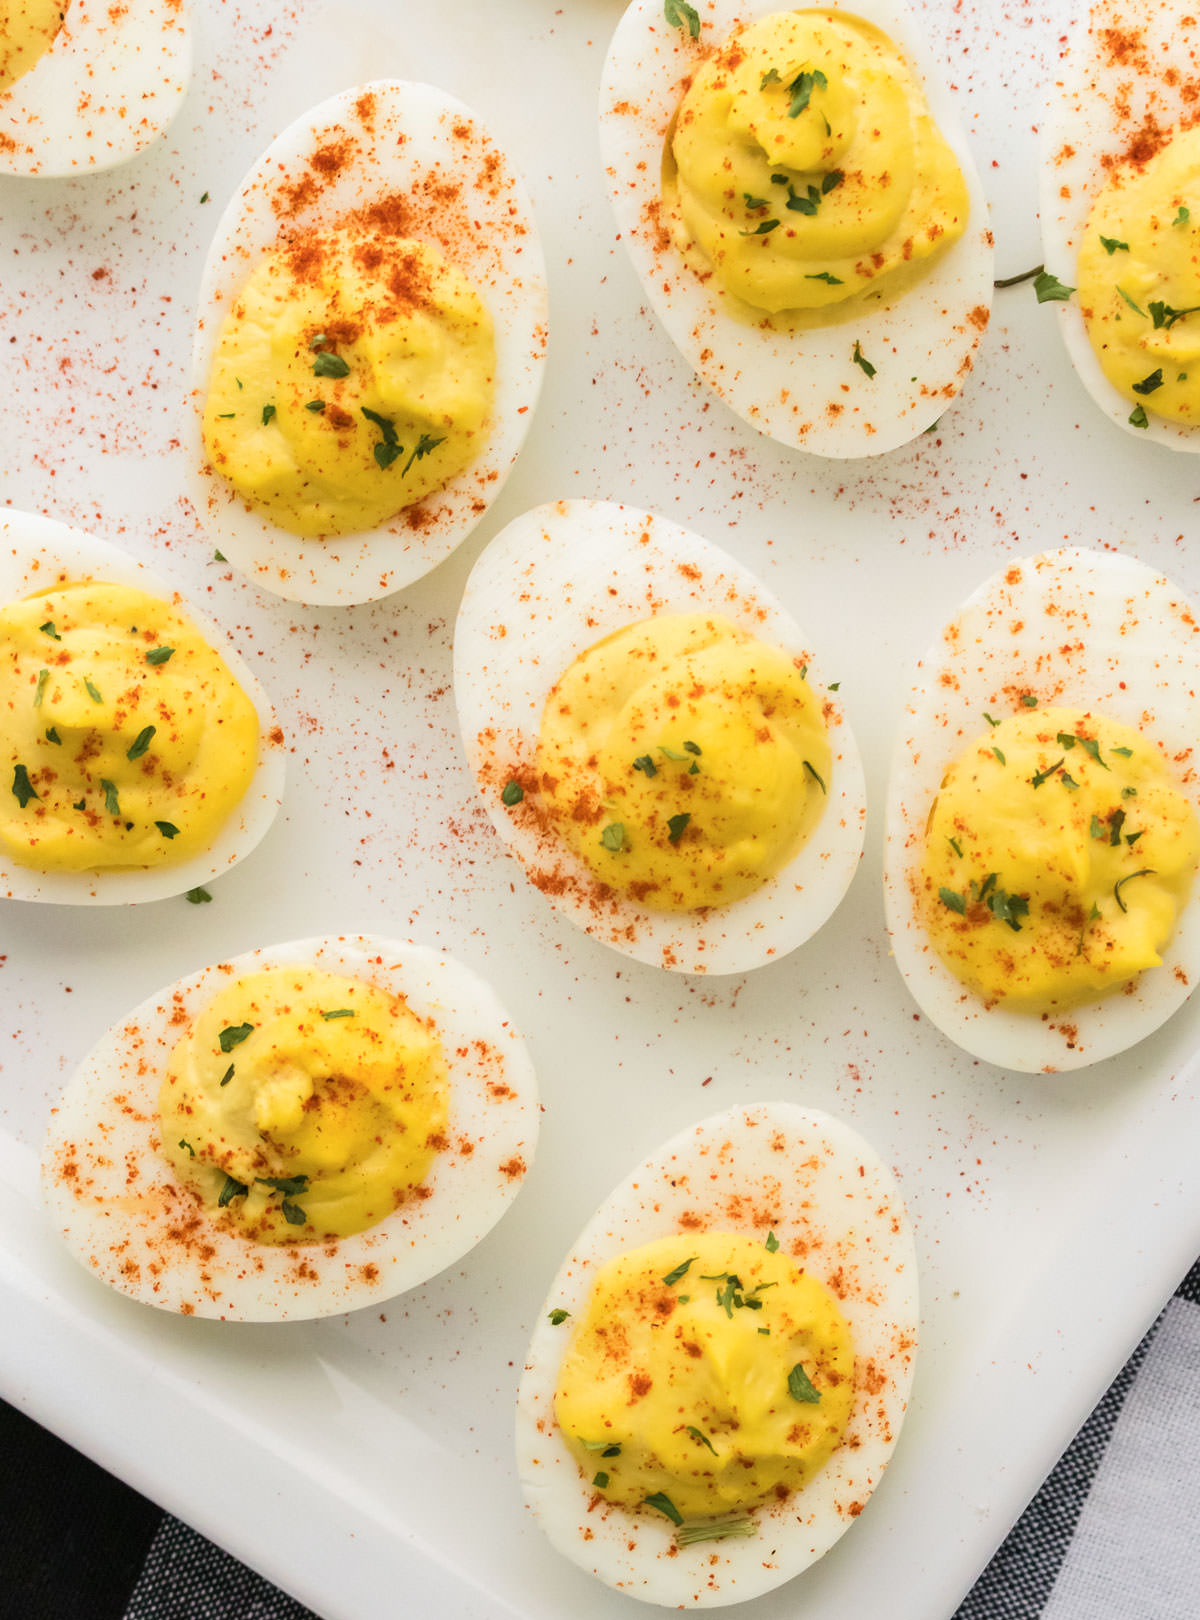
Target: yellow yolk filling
[(28, 28), (1139, 281), (1058, 855), (353, 376), (305, 1105), (708, 1369), (127, 740), (684, 761), (806, 167)]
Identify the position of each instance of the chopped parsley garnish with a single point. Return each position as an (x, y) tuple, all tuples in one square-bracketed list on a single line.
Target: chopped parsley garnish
[(198, 897), (292, 1213), (424, 445), (512, 793), (1132, 838), (1183, 217), (1165, 315), (557, 1316), (204, 196), (677, 826), (692, 748), (42, 682), (670, 752), (680, 15), (716, 1529), (600, 1480), (1125, 753), (389, 447), (184, 1143), (1111, 245), (801, 1387), (1136, 308), (660, 1501), (644, 763), (93, 691), (159, 655), (772, 1243), (1127, 792), (140, 743), (48, 629), (801, 89), (315, 405), (861, 361), (816, 776), (953, 900), (330, 365), (111, 802), (1050, 289), (1044, 776), (232, 1189), (1008, 908), (989, 719), (22, 787), (698, 1434), (613, 837), (679, 1271), (1138, 417), (1000, 755), (771, 76), (227, 1076), (287, 1185), (1069, 781), (955, 846), (831, 181), (1115, 822), (233, 1035), (53, 736), (226, 416), (763, 228), (1145, 871), (338, 1012), (835, 686), (1149, 383), (753, 202), (823, 275), (219, 556), (268, 411), (808, 204), (167, 828), (1028, 699)]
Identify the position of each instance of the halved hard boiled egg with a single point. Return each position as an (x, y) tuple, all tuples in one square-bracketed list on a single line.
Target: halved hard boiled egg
[(683, 774), (1068, 681), (218, 1151), (824, 1252), (159, 725), (370, 339), (109, 81), (743, 147), (1120, 221)]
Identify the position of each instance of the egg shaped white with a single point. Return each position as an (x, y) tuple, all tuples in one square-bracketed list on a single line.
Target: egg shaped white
[(123, 1214), (1087, 630), (801, 387), (832, 1204), (112, 80), (36, 554), (1119, 75), (551, 584), (417, 143)]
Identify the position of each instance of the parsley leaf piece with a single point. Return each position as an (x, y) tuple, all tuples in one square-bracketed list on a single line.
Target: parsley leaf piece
[(692, 748), (1116, 822), (315, 405), (801, 1387), (816, 776), (339, 1012), (53, 736), (1092, 749), (717, 1529), (644, 763), (268, 411), (42, 682), (1150, 383), (660, 1501), (1183, 217), (1145, 871), (1050, 289), (1098, 830), (184, 1143), (22, 787), (1008, 908), (1044, 776), (801, 89), (1000, 756), (1111, 245), (679, 1271), (823, 275), (219, 556), (231, 1190), (771, 76), (1125, 753), (772, 1243), (955, 846), (954, 900), (233, 1035), (1138, 417), (198, 897), (681, 15), (1069, 781), (677, 826), (285, 1184), (808, 204), (612, 1451), (424, 445), (227, 1076), (753, 202), (557, 1316), (93, 691), (140, 743), (831, 181), (160, 655), (111, 802), (1132, 838), (698, 1434), (670, 752), (292, 1213), (992, 722), (613, 837), (167, 828), (512, 793), (330, 365), (1136, 308), (1028, 699), (763, 228), (600, 1480), (48, 629), (861, 361)]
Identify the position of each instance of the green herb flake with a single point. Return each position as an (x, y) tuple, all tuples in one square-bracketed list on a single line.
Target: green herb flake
[(167, 828), (1069, 781), (835, 686), (816, 776), (1049, 289), (198, 897), (512, 793), (1000, 755), (233, 1035), (227, 1076), (698, 1434), (226, 416), (823, 275), (660, 1501), (801, 1387), (692, 748), (1183, 217), (1132, 838), (861, 361), (806, 204), (93, 691), (204, 196), (160, 655), (953, 900), (681, 15), (330, 365), (1128, 792), (315, 405), (600, 1480), (673, 1277), (1136, 308), (1145, 871), (111, 802), (831, 181), (22, 787), (677, 826), (1111, 245), (557, 1316), (53, 736), (717, 1529), (1115, 822), (231, 1190), (43, 681), (339, 1012), (955, 846), (1124, 753), (268, 411), (48, 629), (1138, 417), (644, 763), (613, 837), (140, 743), (772, 1243), (753, 202), (285, 1184), (771, 76), (219, 556), (80, 804), (1094, 913), (1162, 314), (184, 1143), (763, 228), (1092, 749), (801, 89), (424, 445), (1044, 776), (989, 719), (1149, 383), (1028, 700), (292, 1213)]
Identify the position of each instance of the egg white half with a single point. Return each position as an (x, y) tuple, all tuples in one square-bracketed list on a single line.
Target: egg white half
[(1089, 630), (802, 388), (117, 1202), (833, 1205), (554, 582), (1095, 106), (111, 82), (405, 136), (37, 553)]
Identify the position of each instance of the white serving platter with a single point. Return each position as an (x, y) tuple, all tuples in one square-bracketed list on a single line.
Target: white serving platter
[(356, 1458)]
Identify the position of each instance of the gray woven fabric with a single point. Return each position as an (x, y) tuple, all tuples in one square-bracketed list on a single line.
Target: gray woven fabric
[(186, 1578)]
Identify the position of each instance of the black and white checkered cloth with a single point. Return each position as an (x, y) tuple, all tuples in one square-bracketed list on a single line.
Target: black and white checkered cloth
[(1111, 1535)]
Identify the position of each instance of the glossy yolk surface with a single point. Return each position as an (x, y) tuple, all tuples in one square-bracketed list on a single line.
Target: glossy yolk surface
[(304, 1104)]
